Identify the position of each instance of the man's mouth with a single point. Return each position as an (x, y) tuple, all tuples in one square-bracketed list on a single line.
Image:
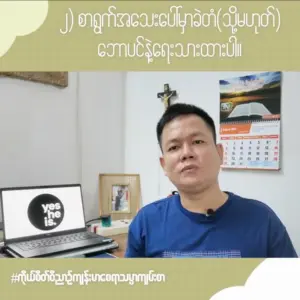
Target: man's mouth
[(189, 168)]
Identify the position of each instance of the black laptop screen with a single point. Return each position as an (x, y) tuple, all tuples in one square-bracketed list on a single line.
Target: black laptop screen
[(28, 212)]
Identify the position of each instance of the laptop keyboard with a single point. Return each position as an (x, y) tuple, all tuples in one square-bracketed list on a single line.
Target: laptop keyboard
[(56, 240)]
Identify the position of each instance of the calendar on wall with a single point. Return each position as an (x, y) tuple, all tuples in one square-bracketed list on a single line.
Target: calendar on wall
[(250, 121)]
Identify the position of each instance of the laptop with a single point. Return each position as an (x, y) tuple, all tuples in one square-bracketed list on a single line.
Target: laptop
[(48, 221)]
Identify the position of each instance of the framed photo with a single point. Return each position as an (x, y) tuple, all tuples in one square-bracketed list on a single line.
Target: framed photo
[(119, 195)]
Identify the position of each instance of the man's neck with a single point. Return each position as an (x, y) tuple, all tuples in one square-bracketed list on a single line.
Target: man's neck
[(200, 202)]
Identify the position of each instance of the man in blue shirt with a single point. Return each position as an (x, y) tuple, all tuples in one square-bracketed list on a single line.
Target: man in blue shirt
[(202, 220)]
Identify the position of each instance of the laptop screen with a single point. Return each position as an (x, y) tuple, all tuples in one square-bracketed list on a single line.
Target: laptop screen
[(36, 211)]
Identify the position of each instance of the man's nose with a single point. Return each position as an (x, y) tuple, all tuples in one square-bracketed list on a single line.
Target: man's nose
[(187, 152)]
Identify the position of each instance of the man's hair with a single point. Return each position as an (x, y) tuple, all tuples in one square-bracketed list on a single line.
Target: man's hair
[(180, 109)]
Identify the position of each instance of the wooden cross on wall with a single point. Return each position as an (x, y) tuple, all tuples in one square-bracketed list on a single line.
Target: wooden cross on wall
[(166, 95)]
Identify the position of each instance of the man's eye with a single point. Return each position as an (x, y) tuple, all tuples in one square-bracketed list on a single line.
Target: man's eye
[(199, 142), (172, 148)]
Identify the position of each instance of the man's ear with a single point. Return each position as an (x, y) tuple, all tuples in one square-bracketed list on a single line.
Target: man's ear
[(220, 150), (162, 162)]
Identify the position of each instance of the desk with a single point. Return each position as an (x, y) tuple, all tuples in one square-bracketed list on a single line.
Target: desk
[(121, 239)]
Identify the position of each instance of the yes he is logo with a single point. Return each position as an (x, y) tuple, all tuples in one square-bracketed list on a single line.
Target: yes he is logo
[(45, 212)]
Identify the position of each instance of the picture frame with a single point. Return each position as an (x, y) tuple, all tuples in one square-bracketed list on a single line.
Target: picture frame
[(58, 79), (119, 195)]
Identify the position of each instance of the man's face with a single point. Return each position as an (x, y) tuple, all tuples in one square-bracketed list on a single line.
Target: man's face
[(191, 159)]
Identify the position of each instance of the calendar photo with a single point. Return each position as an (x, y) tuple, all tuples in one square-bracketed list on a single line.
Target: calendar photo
[(250, 108)]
